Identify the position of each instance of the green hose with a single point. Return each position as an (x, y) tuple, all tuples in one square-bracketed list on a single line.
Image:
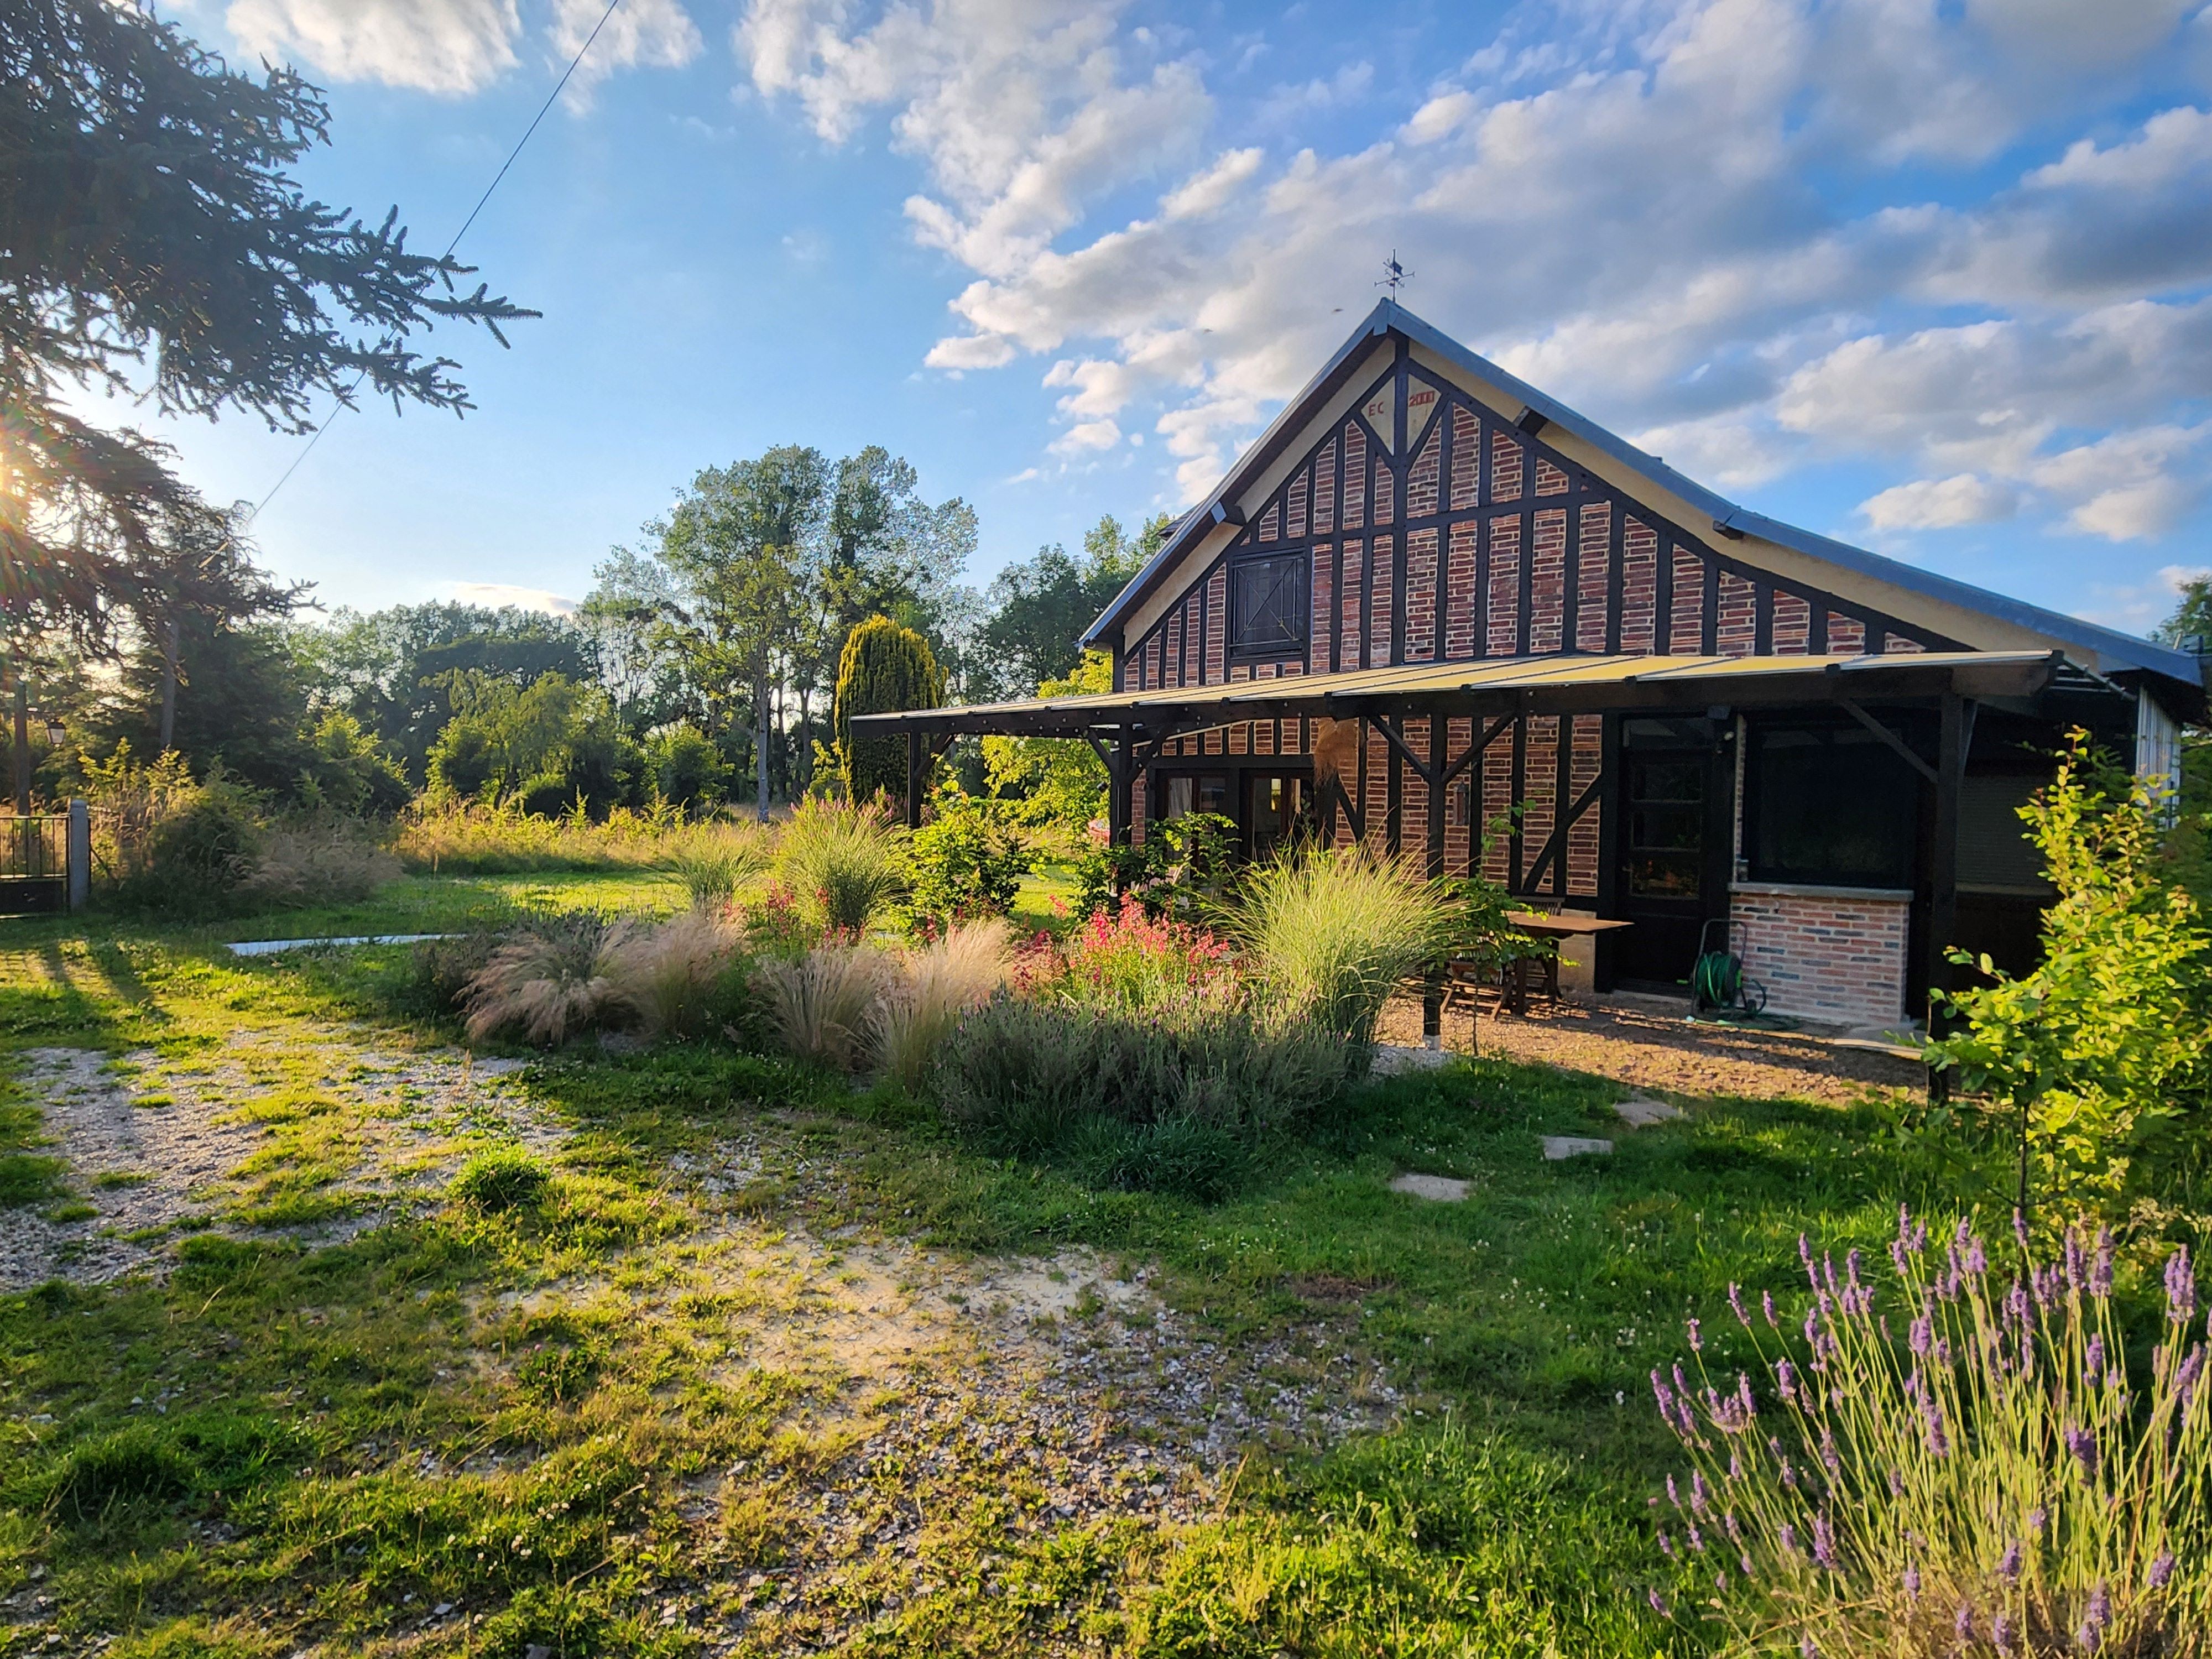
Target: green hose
[(1716, 981)]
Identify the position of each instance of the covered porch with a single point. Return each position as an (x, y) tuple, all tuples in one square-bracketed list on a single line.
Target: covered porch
[(1850, 817)]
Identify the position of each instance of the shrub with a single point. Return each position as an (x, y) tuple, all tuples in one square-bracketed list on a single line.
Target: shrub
[(175, 844), (714, 861), (1128, 957), (2105, 1052), (819, 1004), (674, 977), (1328, 935), (1995, 1482), (1179, 1155), (1182, 868), (885, 666), (937, 984), (325, 864), (686, 768), (844, 863), (1035, 1078), (966, 864), (775, 922), (501, 1178), (549, 981)]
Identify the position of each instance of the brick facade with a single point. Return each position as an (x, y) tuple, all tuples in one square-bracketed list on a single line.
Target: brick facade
[(1826, 953), (1504, 548)]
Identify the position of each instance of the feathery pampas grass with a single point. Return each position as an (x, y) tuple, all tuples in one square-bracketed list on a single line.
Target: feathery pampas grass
[(919, 1009)]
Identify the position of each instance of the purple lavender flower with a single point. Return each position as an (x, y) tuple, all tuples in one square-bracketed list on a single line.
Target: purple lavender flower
[(1658, 1602), (1766, 1303), (1736, 1305), (1720, 1581), (1696, 1539), (1964, 1624), (1674, 1496), (2038, 1519), (2101, 1270), (2161, 1570), (2083, 1445), (1697, 1340), (2185, 1380), (1912, 1582), (1743, 1564), (1735, 1465), (1828, 1455), (1743, 1397), (1824, 1542), (2100, 1605), (1807, 1648), (1787, 1536), (1698, 1492), (1732, 1526), (2009, 1563), (1923, 1334), (1666, 1544), (2020, 1229), (1896, 1484), (2180, 1287), (1978, 1259), (2092, 1362), (1789, 1476), (2077, 1260), (1938, 1435), (2000, 1633)]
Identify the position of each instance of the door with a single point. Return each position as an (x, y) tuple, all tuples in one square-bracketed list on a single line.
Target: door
[(1674, 820), (1276, 811)]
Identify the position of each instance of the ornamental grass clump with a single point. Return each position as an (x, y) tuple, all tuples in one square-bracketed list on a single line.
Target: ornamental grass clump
[(819, 1005), (935, 985), (1328, 935), (550, 982), (845, 864), (714, 861), (1963, 1467)]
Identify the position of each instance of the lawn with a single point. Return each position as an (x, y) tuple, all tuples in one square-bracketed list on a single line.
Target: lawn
[(763, 1363)]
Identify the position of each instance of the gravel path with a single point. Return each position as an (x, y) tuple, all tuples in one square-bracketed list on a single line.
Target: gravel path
[(156, 1149), (1650, 1047)]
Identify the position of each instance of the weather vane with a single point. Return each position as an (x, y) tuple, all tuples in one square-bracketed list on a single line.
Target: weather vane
[(1394, 275)]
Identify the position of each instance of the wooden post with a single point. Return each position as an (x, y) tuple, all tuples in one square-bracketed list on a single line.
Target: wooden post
[(1608, 850), (1121, 791), (913, 780), (1432, 989), (1943, 856), (80, 854)]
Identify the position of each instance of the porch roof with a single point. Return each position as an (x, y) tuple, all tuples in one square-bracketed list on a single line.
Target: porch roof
[(1557, 684)]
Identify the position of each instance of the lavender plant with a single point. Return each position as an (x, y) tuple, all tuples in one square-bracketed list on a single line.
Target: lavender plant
[(1982, 1478)]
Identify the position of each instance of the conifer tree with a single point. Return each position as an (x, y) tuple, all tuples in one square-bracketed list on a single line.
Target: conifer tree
[(884, 667)]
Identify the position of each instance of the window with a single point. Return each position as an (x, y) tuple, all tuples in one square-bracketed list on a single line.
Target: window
[(1204, 791), (1268, 604), (1831, 804)]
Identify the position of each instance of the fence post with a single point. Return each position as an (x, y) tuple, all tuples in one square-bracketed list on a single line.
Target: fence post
[(80, 854)]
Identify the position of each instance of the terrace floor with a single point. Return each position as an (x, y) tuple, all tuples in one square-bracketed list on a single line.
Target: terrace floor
[(1648, 1044)]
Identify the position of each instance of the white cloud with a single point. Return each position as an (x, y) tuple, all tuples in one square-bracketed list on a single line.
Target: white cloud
[(1087, 435), (448, 46), (653, 33), (455, 48), (496, 594), (1939, 503), (1632, 207)]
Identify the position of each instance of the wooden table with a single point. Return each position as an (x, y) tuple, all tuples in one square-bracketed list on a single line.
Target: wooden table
[(1543, 925)]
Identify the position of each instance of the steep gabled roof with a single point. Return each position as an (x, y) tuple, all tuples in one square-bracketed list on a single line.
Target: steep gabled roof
[(2105, 648)]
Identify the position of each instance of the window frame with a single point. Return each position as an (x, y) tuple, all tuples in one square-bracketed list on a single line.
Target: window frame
[(1759, 778)]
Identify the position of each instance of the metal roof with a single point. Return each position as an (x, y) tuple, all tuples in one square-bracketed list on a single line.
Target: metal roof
[(2113, 647), (1536, 685)]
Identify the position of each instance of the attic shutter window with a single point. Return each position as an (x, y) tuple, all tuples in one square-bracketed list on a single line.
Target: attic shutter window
[(1268, 604)]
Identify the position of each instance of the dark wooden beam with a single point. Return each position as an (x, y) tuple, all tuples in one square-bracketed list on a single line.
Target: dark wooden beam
[(1608, 848), (913, 780), (1943, 855), (1897, 745)]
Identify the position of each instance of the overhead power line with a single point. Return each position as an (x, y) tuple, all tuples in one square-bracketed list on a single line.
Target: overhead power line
[(346, 402)]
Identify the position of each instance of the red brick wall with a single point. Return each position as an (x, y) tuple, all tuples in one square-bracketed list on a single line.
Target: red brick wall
[(1831, 958)]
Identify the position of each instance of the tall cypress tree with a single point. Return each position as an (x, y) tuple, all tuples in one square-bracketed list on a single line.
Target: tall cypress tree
[(884, 667)]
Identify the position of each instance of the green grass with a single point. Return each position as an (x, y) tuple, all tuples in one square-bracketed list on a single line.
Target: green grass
[(506, 1399)]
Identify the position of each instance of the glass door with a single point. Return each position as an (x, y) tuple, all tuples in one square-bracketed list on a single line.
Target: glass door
[(1669, 792)]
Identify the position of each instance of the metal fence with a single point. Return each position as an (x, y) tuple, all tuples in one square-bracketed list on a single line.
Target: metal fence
[(35, 874)]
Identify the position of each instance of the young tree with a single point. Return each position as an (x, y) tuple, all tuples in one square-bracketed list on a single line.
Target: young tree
[(734, 541), (153, 242)]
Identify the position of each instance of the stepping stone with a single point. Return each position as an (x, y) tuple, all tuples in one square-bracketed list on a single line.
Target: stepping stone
[(1438, 1190), (1641, 1111), (1557, 1148), (1389, 1058)]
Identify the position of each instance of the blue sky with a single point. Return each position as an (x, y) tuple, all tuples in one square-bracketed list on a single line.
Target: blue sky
[(1935, 278)]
